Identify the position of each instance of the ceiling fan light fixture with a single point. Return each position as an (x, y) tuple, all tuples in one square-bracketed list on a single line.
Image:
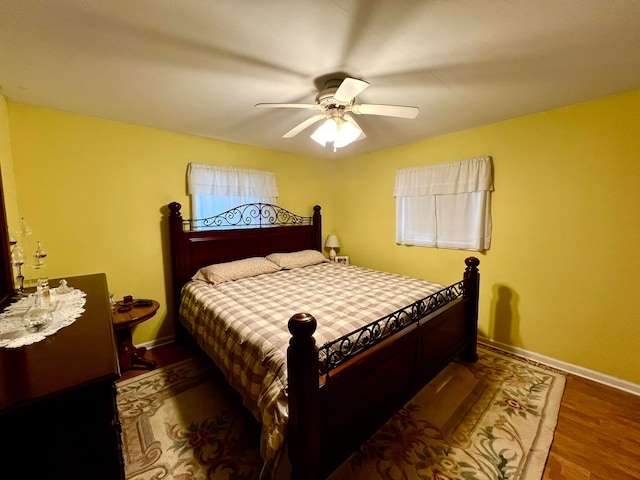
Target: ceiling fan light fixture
[(325, 133), (340, 133), (347, 134)]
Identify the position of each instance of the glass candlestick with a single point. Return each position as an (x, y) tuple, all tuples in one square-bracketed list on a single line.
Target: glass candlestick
[(25, 230), (17, 259), (39, 256)]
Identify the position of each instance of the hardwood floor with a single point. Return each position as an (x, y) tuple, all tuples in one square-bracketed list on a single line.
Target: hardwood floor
[(597, 436), (163, 356)]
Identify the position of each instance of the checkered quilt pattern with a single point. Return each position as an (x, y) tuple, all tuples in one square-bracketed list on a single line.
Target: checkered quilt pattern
[(242, 325)]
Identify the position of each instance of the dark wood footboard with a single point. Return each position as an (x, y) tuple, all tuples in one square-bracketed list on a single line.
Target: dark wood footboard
[(331, 416)]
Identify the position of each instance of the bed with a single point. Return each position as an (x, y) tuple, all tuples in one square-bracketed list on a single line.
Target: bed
[(336, 388)]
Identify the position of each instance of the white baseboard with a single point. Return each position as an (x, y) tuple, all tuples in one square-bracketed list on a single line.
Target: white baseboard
[(608, 380), (552, 362), (158, 342)]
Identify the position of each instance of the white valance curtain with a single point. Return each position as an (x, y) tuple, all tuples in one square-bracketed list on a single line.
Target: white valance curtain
[(446, 205), (217, 189), (206, 179)]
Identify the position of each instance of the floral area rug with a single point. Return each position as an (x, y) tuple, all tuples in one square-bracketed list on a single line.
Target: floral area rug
[(492, 420), (183, 422)]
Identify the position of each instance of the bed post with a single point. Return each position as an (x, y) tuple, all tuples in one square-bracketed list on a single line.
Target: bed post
[(177, 263), (472, 293), (302, 368), (317, 228), (175, 233)]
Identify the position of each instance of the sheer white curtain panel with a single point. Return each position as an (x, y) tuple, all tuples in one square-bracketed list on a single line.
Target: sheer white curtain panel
[(216, 189), (446, 205), (230, 181)]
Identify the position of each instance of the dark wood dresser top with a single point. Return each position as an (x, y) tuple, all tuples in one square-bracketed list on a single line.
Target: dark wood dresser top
[(74, 356)]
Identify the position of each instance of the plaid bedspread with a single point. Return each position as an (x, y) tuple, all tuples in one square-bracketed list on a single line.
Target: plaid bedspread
[(242, 325)]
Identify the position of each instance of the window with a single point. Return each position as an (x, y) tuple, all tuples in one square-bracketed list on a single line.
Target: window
[(446, 205), (216, 189)]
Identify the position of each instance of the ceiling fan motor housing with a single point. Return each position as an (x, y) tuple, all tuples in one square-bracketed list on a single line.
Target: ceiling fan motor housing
[(326, 99)]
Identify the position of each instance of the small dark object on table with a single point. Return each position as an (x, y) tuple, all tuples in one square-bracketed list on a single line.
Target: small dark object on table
[(143, 303)]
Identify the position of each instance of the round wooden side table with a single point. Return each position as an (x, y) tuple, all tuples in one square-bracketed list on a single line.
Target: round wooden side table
[(124, 319)]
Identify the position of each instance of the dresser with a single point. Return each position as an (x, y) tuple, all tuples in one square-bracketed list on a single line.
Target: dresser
[(58, 417)]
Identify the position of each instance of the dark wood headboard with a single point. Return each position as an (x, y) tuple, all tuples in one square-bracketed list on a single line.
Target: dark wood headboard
[(251, 230)]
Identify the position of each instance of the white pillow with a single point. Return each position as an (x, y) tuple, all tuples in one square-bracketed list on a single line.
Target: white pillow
[(301, 258), (229, 271)]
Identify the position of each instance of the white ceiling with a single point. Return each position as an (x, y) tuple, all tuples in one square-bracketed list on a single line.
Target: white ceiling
[(200, 66)]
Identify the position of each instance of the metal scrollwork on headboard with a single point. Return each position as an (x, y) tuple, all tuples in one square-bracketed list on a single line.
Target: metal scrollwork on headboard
[(250, 215)]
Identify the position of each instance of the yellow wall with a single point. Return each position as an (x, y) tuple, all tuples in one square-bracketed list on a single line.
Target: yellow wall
[(560, 278), (95, 193), (6, 167), (562, 275)]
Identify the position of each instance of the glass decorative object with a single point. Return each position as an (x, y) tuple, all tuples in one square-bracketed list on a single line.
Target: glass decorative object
[(37, 319), (39, 315), (65, 288), (39, 256), (17, 259), (25, 230)]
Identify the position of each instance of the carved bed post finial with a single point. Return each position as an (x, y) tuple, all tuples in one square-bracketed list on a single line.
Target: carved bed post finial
[(174, 208), (472, 264), (472, 295), (303, 368), (302, 326)]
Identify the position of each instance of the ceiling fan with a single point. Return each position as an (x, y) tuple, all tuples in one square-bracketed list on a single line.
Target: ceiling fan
[(336, 103)]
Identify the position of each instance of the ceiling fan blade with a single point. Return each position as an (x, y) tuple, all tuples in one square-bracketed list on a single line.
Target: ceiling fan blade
[(301, 126), (349, 89), (308, 106), (386, 110)]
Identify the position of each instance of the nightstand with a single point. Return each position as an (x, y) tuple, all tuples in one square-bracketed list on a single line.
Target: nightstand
[(125, 317)]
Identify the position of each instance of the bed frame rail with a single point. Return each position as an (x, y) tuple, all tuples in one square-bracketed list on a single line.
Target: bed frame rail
[(339, 351)]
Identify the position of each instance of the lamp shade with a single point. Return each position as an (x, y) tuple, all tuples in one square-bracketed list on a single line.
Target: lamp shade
[(332, 242), (338, 131)]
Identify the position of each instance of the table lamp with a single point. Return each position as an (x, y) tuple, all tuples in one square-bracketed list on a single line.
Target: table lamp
[(332, 243)]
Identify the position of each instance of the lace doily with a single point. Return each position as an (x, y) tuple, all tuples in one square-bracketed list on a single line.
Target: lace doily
[(65, 309)]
